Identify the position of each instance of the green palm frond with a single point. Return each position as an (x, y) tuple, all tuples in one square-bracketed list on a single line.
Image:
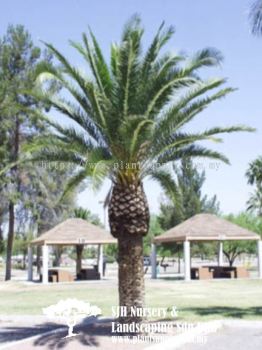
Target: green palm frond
[(161, 38), (190, 151), (208, 57), (169, 185), (255, 17), (75, 180), (187, 107), (130, 110)]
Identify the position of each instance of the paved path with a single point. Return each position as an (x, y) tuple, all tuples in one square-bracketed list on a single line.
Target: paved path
[(234, 335), (95, 336), (242, 336), (15, 328)]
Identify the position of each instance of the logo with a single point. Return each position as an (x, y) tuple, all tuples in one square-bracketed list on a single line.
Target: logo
[(71, 312)]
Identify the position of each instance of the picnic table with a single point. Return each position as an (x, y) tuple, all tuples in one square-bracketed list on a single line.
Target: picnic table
[(59, 275), (209, 272)]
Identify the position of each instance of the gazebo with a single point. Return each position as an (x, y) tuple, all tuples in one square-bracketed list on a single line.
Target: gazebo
[(72, 232), (205, 228)]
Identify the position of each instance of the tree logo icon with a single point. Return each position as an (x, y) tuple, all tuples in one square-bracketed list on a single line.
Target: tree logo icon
[(71, 312)]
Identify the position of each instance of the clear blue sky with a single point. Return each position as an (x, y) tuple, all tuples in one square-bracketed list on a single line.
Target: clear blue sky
[(219, 23)]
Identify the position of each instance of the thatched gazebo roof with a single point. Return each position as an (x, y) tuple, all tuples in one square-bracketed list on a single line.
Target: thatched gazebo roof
[(73, 232), (206, 227)]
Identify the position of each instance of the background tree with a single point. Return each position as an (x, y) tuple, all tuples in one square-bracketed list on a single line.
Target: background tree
[(254, 178), (234, 249), (18, 60), (4, 107), (183, 190), (184, 199), (155, 229), (131, 114), (7, 109), (84, 214)]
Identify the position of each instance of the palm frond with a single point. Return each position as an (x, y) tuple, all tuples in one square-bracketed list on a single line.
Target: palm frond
[(161, 38), (191, 151), (208, 57), (167, 182), (131, 109), (185, 110), (255, 17), (74, 182)]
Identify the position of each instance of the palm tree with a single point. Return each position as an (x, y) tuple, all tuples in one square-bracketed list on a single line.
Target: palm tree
[(130, 121), (255, 16), (85, 214), (254, 204), (254, 172), (254, 177)]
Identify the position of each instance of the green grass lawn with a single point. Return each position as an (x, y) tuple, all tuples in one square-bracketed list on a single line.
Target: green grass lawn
[(197, 300)]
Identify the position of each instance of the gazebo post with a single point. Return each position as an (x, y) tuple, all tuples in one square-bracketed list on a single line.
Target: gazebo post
[(30, 263), (100, 260), (45, 253), (259, 257), (220, 253), (153, 261), (187, 260)]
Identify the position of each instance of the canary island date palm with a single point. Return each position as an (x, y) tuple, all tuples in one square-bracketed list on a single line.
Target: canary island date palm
[(129, 119)]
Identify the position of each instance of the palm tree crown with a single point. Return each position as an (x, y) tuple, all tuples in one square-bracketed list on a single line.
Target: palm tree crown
[(131, 113)]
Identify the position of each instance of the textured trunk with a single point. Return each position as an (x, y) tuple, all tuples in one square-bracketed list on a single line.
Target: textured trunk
[(1, 239), (10, 239), (38, 259), (129, 222), (231, 262), (79, 252), (57, 253), (11, 208), (130, 275)]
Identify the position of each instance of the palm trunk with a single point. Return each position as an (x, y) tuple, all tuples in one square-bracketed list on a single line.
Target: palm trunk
[(10, 239), (130, 275), (129, 222)]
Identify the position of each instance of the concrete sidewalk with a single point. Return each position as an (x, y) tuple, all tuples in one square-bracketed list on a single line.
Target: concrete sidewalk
[(234, 335), (27, 333)]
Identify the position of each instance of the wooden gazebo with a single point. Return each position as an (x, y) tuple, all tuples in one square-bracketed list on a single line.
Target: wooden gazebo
[(204, 228), (71, 232)]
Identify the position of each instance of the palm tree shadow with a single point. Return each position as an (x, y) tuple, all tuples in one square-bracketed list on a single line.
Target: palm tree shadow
[(227, 312), (58, 340), (86, 335)]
